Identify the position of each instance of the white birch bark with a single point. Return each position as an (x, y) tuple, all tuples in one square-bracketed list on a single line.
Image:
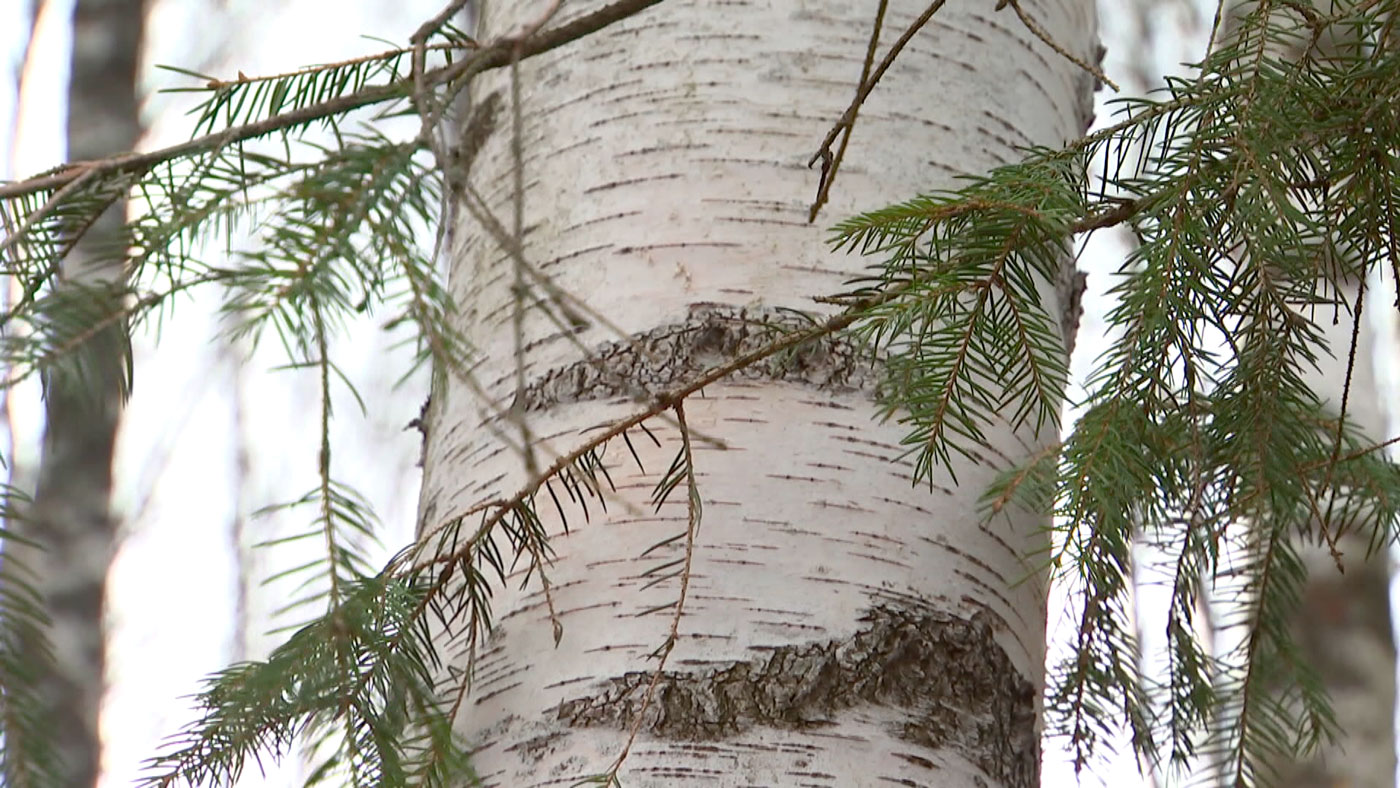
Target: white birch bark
[(841, 628)]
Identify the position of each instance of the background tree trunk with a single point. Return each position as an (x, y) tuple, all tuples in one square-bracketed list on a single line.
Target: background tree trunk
[(1344, 621), (71, 521), (1344, 624), (841, 628)]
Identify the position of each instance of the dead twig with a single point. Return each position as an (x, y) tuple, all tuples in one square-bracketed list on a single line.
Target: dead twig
[(831, 162), (1040, 33)]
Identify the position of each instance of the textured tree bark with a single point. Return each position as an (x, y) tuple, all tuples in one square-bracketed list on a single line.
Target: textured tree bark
[(842, 628), (70, 518)]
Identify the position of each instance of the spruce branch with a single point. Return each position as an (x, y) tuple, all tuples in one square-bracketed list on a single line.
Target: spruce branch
[(27, 753), (486, 58)]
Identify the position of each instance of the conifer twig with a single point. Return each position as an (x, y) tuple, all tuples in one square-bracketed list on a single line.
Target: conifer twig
[(692, 522), (489, 57)]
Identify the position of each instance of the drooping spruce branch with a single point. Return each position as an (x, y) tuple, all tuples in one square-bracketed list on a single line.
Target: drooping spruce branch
[(338, 231), (28, 755)]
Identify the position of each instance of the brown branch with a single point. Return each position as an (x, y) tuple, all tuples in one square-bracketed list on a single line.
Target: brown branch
[(493, 56), (423, 98), (830, 164), (848, 118), (429, 28), (1041, 34), (664, 652), (141, 162), (1126, 210), (518, 290), (1356, 317)]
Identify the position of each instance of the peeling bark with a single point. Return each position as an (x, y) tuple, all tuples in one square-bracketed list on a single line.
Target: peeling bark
[(952, 686), (668, 356)]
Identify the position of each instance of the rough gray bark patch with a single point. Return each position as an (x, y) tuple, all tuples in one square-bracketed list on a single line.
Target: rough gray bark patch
[(1071, 288), (955, 685), (713, 334)]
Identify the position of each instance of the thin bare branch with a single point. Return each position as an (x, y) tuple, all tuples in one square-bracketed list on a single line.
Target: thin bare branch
[(848, 118), (1045, 37), (517, 243), (692, 529), (830, 163)]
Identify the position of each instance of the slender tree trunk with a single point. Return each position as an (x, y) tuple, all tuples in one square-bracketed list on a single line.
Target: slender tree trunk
[(839, 627), (71, 521), (1344, 623)]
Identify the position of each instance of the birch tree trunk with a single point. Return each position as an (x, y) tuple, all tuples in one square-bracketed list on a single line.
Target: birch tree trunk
[(841, 627), (72, 529), (1343, 624)]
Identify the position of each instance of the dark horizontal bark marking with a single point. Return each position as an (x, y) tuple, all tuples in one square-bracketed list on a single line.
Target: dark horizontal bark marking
[(712, 335), (956, 686)]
